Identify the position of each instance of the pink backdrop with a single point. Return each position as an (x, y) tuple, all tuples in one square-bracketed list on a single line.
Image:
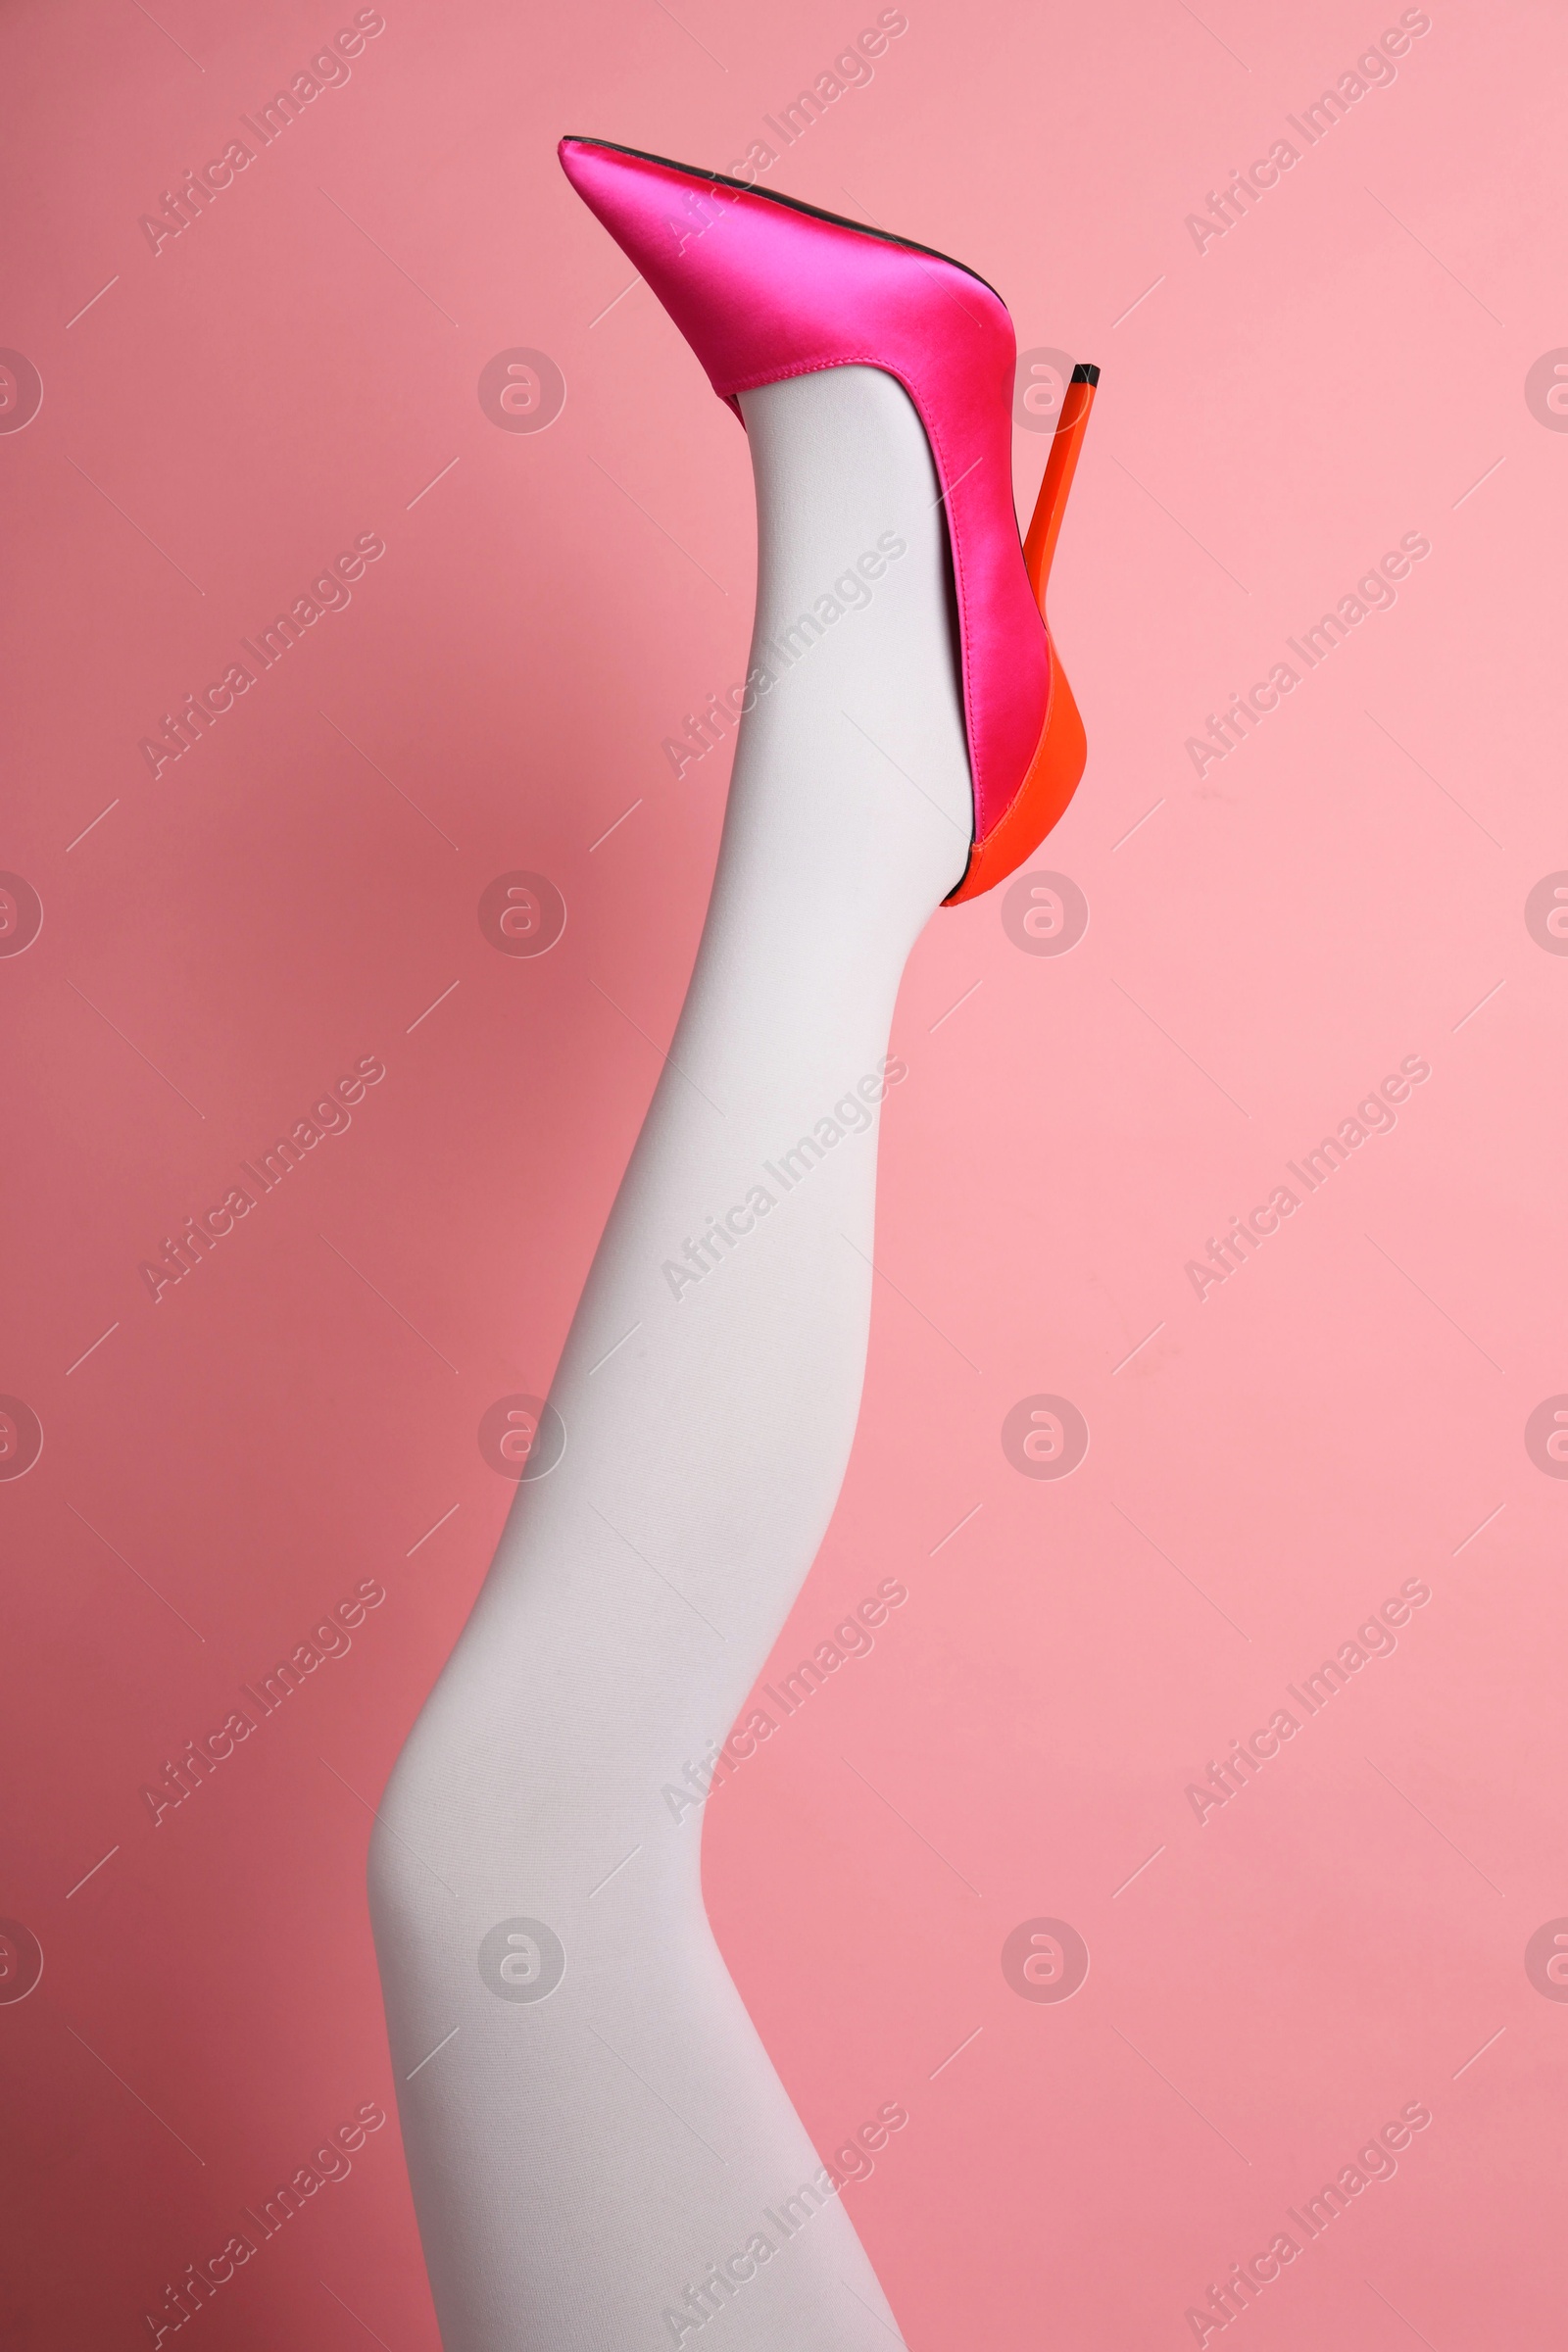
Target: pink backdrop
[(1364, 355)]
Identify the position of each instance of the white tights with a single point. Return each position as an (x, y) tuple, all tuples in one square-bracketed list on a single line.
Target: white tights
[(601, 2143)]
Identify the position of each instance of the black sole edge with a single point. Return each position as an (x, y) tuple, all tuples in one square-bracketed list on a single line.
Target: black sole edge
[(813, 212)]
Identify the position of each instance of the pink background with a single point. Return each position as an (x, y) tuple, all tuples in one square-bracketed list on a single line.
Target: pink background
[(1344, 366)]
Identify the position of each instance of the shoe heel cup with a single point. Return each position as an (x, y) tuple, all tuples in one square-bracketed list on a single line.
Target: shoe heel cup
[(1058, 762)]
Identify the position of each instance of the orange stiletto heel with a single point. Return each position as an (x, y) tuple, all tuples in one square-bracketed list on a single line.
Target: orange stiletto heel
[(1057, 767)]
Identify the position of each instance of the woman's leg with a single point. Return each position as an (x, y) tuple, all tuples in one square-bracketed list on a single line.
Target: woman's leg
[(615, 2163)]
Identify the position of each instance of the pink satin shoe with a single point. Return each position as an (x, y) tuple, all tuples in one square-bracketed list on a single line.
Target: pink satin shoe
[(763, 287)]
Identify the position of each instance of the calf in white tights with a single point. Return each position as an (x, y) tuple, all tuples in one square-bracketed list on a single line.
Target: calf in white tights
[(602, 2157)]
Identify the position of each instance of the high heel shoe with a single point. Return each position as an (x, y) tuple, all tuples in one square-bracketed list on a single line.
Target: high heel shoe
[(763, 287)]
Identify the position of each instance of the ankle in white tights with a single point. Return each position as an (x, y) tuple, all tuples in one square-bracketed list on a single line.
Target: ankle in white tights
[(602, 2155)]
